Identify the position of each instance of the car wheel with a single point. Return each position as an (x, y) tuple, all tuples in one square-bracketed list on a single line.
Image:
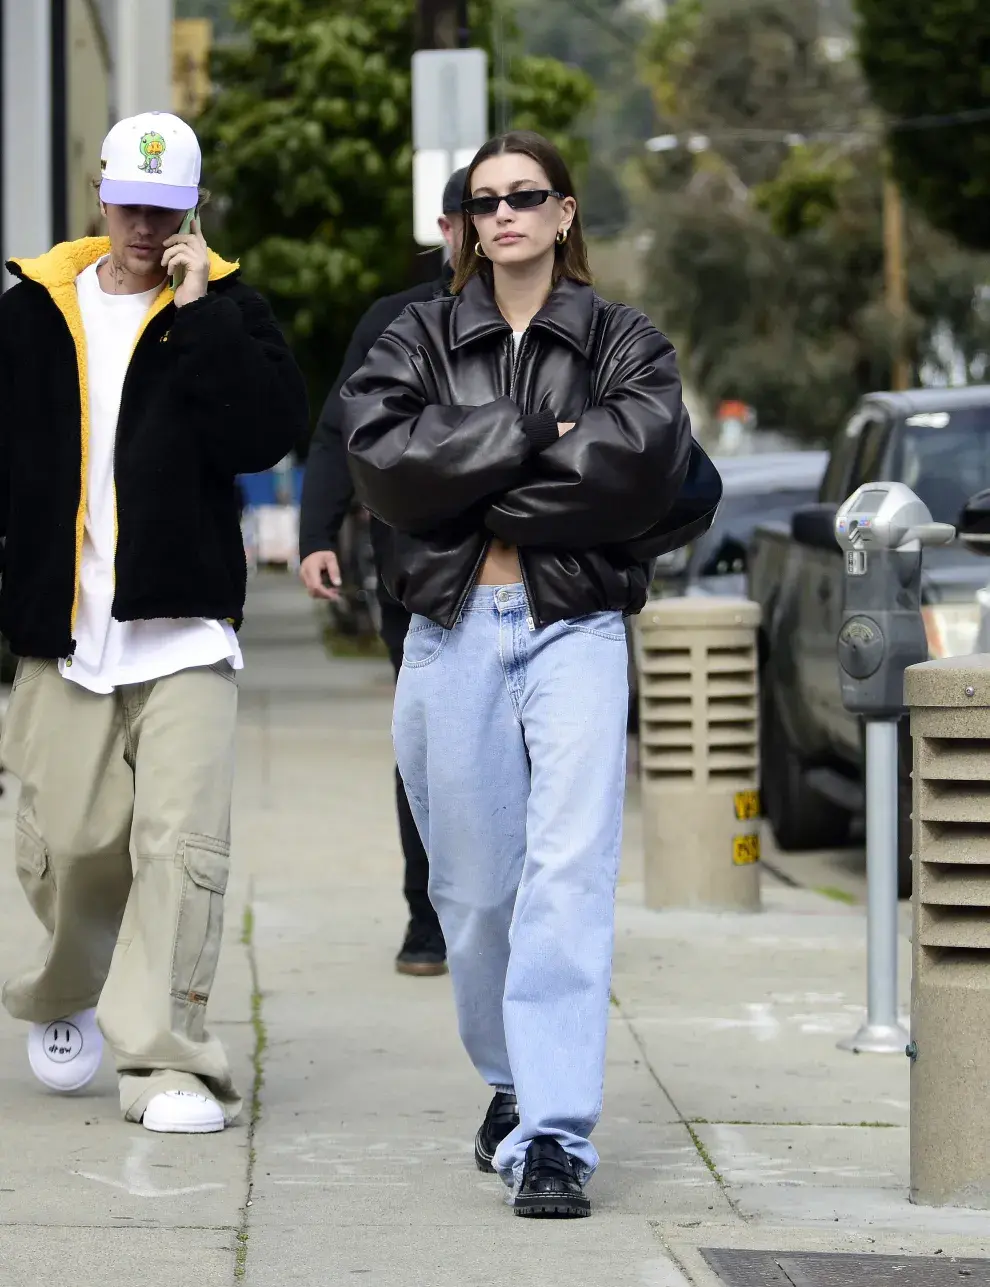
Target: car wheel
[(800, 818)]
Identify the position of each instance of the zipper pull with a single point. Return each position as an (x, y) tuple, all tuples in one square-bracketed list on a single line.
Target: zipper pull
[(531, 623)]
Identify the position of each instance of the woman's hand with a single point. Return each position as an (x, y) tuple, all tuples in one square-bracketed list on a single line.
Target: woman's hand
[(189, 250), (565, 428)]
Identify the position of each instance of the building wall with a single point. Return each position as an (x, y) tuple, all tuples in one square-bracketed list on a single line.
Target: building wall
[(26, 145), (88, 98)]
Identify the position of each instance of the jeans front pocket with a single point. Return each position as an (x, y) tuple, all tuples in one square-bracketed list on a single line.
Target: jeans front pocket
[(205, 863), (607, 625), (423, 643), (34, 870)]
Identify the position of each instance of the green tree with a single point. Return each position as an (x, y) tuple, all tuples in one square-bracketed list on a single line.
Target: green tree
[(767, 258), (307, 146), (931, 58), (218, 12), (603, 38)]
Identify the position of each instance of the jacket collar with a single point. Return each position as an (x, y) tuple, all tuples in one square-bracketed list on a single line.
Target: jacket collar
[(61, 265), (569, 314)]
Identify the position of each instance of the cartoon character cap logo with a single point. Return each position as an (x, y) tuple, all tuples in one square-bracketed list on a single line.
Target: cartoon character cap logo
[(152, 147)]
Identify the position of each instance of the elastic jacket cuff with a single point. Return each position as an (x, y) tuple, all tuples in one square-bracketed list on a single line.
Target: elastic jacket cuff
[(541, 429)]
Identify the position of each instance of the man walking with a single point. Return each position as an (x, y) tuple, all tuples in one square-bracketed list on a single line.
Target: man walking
[(326, 499), (138, 376)]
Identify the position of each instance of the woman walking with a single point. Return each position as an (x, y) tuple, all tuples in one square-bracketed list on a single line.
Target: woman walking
[(527, 444)]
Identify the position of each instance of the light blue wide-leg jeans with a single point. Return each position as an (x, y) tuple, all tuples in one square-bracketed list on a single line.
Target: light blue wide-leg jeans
[(511, 742)]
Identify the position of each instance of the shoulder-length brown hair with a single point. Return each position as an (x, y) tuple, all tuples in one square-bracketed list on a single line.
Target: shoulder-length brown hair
[(571, 256)]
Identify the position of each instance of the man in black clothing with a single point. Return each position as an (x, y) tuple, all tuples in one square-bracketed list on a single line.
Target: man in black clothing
[(326, 498)]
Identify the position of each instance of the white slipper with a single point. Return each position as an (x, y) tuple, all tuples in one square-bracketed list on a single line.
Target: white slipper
[(183, 1112), (65, 1054)]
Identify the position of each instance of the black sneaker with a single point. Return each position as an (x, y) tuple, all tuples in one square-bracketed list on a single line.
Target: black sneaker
[(550, 1187), (501, 1118), (423, 952)]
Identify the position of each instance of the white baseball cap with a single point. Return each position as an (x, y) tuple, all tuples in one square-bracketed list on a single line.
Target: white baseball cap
[(151, 160)]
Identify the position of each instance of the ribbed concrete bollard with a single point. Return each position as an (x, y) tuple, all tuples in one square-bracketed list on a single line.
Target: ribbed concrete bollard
[(699, 753), (950, 994)]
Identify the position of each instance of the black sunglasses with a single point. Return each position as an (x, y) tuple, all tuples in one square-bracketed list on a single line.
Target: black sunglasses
[(527, 199)]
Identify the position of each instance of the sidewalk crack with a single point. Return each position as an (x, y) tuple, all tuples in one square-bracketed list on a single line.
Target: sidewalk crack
[(686, 1122), (257, 1082)]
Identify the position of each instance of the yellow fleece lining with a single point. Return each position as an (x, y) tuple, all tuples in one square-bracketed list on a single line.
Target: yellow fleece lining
[(57, 272)]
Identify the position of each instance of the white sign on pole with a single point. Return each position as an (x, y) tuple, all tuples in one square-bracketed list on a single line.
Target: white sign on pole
[(450, 123), (449, 99)]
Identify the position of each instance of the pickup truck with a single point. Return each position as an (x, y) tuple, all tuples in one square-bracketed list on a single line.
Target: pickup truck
[(937, 441)]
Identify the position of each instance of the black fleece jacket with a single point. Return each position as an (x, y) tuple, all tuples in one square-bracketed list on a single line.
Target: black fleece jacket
[(211, 391)]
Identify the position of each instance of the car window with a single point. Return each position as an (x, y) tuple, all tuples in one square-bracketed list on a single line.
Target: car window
[(842, 459), (944, 457), (722, 550), (853, 454), (870, 458)]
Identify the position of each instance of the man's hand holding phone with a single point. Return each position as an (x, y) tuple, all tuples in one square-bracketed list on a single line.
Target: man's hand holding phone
[(187, 261)]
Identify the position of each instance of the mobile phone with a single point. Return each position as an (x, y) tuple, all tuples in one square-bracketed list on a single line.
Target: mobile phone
[(185, 227)]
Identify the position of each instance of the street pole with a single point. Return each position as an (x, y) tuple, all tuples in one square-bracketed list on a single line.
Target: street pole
[(440, 23), (895, 278)]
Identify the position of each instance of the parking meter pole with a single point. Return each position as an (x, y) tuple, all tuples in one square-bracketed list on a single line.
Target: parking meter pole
[(882, 529), (881, 1034)]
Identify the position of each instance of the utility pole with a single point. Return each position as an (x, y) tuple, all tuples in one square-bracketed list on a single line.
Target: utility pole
[(442, 24), (895, 278)]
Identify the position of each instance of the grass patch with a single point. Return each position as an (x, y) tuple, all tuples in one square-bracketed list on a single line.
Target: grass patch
[(705, 1156), (837, 895), (351, 646), (875, 1126), (257, 1084)]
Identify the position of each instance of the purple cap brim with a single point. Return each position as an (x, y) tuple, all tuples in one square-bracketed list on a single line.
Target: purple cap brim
[(141, 192)]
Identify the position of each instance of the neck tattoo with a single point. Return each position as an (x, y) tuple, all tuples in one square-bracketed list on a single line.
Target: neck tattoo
[(116, 272)]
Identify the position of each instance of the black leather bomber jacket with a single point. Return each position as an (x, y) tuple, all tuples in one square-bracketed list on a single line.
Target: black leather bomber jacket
[(453, 441)]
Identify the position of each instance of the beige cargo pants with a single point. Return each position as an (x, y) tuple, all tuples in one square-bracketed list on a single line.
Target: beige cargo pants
[(122, 845)]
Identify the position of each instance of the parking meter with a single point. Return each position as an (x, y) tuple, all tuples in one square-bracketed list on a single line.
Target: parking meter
[(882, 529)]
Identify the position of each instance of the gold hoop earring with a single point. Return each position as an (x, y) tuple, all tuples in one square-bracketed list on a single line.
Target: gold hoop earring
[(479, 251), (562, 236)]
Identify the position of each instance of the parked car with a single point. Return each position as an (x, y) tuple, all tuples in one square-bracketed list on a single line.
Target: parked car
[(937, 441), (754, 488)]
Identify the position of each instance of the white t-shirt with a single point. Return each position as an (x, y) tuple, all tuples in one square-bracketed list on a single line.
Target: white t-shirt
[(517, 340), (108, 652)]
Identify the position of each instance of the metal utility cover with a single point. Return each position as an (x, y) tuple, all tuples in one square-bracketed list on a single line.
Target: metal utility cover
[(790, 1269), (449, 99)]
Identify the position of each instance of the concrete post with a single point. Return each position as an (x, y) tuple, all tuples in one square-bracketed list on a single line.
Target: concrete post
[(699, 753), (26, 146), (950, 996)]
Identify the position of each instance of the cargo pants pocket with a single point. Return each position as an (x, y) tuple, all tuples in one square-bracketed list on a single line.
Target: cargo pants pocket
[(34, 870), (204, 864)]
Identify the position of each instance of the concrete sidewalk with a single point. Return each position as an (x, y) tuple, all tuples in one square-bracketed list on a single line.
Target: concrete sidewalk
[(731, 1119)]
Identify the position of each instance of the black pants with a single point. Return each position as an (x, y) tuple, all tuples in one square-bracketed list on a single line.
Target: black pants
[(395, 623)]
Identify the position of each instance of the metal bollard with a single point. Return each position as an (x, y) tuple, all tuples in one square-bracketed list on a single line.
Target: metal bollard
[(950, 995), (699, 753)]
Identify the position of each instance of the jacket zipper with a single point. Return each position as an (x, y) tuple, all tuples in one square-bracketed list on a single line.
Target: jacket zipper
[(531, 619), (516, 361), (152, 313), (469, 584)]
